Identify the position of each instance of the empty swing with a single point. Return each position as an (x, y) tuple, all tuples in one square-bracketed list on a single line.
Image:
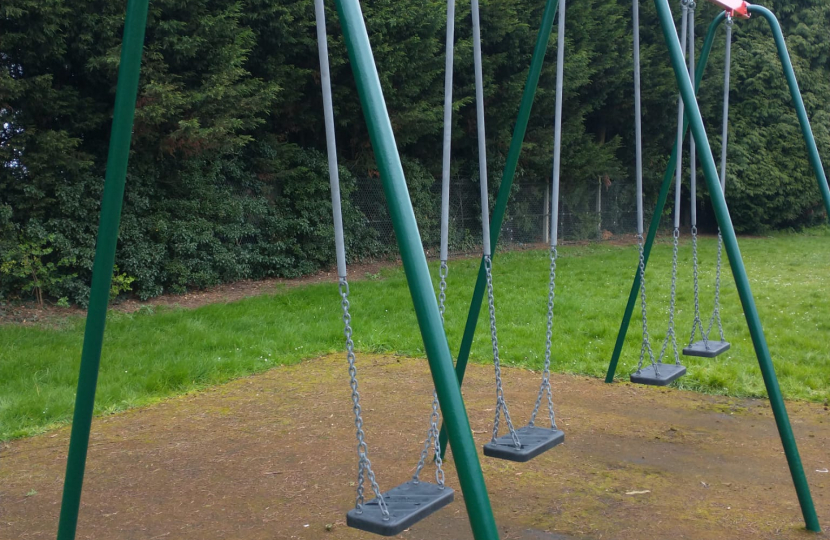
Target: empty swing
[(706, 347), (391, 512), (658, 373), (529, 441)]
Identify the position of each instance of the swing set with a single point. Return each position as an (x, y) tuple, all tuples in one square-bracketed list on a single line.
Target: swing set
[(390, 512)]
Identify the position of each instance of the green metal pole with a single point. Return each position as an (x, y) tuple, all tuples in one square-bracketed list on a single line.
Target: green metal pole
[(417, 272), (661, 203), (736, 262), (806, 131), (119, 152), (497, 218)]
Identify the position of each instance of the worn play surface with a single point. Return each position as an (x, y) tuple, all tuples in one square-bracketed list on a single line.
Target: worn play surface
[(273, 457)]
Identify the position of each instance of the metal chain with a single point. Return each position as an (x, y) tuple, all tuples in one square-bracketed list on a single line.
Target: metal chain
[(442, 288), (501, 404), (443, 271), (673, 299), (716, 309), (545, 386), (364, 466), (432, 438), (439, 463), (697, 324), (646, 346), (670, 333)]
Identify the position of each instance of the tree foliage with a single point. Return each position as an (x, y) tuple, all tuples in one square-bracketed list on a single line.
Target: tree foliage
[(227, 176)]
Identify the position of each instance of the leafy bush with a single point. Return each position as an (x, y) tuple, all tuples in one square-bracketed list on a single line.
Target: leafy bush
[(27, 267)]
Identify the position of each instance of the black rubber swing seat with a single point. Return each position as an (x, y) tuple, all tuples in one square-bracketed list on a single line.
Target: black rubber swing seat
[(534, 441), (407, 503), (663, 376), (706, 349)]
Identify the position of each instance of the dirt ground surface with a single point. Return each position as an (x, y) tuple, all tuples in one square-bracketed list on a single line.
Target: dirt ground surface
[(273, 457)]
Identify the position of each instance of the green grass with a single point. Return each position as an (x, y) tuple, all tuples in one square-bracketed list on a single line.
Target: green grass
[(150, 356)]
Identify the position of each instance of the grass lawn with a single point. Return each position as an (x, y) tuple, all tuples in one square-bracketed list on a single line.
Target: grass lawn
[(152, 355)]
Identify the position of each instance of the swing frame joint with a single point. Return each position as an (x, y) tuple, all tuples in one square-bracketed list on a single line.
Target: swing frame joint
[(734, 8)]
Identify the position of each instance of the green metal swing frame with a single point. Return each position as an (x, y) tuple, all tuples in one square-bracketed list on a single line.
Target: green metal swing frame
[(446, 379)]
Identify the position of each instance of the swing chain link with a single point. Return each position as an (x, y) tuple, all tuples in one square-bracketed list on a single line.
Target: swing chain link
[(439, 463), (673, 304), (442, 288), (364, 466), (697, 324), (716, 309), (646, 346), (501, 404), (545, 386), (670, 333), (432, 439)]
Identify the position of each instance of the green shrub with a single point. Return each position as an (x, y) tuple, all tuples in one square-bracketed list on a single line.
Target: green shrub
[(28, 267)]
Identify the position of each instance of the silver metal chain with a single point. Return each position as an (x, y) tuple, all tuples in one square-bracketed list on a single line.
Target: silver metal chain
[(432, 438), (646, 346), (545, 387), (670, 333), (436, 449), (501, 404), (697, 324), (716, 309), (443, 270), (364, 466), (432, 441)]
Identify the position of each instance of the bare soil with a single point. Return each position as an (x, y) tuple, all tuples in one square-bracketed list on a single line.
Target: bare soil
[(273, 457)]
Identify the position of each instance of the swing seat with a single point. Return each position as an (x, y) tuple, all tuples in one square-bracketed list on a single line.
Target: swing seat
[(706, 349), (535, 440), (408, 504), (666, 373)]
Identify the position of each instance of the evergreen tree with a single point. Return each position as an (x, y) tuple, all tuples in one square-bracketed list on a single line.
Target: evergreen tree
[(227, 176)]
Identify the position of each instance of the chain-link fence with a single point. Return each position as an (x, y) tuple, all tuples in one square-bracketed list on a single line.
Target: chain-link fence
[(596, 211)]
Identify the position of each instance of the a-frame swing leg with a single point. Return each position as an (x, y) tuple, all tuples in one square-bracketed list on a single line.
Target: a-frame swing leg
[(798, 103), (119, 152), (470, 476), (736, 262)]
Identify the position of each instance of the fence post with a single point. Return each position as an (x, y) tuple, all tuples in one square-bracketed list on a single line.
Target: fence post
[(599, 208)]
